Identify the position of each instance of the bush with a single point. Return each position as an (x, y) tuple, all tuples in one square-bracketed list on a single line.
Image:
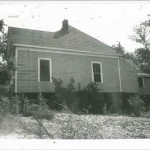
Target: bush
[(86, 100), (66, 96), (4, 108), (40, 110), (145, 114), (15, 104), (91, 100), (4, 90), (10, 105), (4, 105), (137, 105)]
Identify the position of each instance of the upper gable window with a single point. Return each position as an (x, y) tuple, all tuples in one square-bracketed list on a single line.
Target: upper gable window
[(141, 82), (97, 72), (44, 70)]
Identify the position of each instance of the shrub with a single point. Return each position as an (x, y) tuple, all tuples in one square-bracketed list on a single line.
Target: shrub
[(137, 105), (26, 105), (108, 106), (91, 100), (40, 110), (4, 108), (4, 90), (60, 92), (66, 96), (4, 105), (15, 104), (86, 100), (10, 105), (145, 114)]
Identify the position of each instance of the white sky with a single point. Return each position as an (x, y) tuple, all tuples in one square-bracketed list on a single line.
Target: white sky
[(108, 22)]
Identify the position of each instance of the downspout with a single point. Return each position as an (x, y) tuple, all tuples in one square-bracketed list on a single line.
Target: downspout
[(119, 75)]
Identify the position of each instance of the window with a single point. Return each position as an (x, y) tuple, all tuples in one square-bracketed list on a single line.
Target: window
[(141, 82), (97, 72), (44, 70)]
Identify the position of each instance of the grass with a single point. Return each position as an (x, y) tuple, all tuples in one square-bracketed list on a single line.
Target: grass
[(18, 127), (71, 126)]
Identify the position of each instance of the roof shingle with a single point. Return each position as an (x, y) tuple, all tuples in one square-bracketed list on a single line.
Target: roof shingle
[(75, 39)]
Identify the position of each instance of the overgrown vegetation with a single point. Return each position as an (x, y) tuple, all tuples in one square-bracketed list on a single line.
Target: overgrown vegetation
[(67, 96), (70, 124), (141, 36), (70, 98), (132, 105), (86, 100), (7, 65), (40, 110), (141, 55), (91, 100), (124, 54)]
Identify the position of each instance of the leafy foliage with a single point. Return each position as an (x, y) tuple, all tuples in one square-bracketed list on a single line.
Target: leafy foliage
[(2, 24), (3, 46), (7, 71), (15, 103), (119, 48), (137, 105), (66, 96), (8, 106), (143, 59), (7, 65), (142, 36), (91, 100), (3, 40), (40, 110), (86, 100), (4, 106)]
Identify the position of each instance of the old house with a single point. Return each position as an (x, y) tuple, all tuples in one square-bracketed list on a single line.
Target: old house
[(70, 53)]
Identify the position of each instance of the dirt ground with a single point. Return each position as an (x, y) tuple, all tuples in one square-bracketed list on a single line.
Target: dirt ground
[(71, 126)]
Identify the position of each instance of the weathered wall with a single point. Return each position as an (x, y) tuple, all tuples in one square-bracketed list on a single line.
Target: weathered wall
[(64, 66), (128, 77), (146, 89)]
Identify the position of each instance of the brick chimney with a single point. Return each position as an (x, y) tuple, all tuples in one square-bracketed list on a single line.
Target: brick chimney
[(65, 26), (64, 30)]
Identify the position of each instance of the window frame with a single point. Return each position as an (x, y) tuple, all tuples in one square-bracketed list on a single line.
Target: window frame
[(101, 71), (50, 69), (142, 81)]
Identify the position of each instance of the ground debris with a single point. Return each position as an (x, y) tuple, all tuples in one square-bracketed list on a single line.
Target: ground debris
[(71, 126)]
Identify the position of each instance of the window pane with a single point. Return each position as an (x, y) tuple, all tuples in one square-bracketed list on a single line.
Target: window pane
[(140, 81), (44, 70), (96, 68), (97, 78)]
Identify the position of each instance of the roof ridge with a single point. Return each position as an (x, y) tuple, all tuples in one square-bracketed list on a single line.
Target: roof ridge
[(30, 29)]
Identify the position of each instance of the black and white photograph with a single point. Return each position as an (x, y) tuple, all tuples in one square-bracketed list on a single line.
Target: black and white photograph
[(75, 70)]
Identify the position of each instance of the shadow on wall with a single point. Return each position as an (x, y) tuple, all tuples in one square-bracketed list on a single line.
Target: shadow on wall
[(90, 103)]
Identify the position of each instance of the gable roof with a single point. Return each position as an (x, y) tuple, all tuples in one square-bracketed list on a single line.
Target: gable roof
[(132, 63), (74, 39)]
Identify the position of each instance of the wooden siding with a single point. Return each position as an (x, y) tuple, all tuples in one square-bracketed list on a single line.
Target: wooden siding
[(128, 77), (65, 67), (146, 89)]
